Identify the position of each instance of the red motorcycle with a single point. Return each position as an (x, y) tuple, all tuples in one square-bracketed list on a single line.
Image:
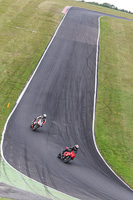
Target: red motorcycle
[(36, 124), (66, 156)]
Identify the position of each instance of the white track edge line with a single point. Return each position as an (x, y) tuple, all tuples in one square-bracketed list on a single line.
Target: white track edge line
[(94, 107), (20, 97)]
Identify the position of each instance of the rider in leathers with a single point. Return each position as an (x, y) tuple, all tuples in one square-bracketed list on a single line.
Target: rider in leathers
[(70, 149), (42, 117)]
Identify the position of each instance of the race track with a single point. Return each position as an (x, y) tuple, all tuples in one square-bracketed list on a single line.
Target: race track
[(63, 87)]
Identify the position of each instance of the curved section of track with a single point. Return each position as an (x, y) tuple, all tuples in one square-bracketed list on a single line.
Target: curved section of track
[(63, 87)]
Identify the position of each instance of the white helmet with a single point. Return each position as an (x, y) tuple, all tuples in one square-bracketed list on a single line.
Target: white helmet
[(76, 146), (44, 116)]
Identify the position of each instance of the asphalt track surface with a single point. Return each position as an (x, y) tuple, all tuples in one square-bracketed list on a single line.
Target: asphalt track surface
[(7, 191), (63, 88)]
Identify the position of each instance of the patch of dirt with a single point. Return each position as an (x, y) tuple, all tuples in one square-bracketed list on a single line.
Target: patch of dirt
[(46, 5)]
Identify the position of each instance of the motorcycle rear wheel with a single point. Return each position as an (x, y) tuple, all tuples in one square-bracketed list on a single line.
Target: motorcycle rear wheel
[(59, 155)]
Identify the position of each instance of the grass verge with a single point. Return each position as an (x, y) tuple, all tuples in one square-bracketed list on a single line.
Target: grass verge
[(114, 110)]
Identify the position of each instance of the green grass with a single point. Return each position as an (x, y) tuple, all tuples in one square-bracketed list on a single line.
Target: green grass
[(4, 199), (114, 110), (25, 30)]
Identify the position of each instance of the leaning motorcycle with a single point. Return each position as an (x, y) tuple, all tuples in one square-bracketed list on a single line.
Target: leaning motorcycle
[(66, 156), (36, 124)]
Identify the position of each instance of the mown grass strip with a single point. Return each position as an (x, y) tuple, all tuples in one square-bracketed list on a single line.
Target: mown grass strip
[(4, 199), (114, 109)]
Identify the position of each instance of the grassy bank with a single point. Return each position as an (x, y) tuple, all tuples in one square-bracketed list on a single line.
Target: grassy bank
[(25, 30), (114, 112)]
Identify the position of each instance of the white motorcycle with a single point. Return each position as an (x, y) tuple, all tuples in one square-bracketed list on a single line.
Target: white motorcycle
[(36, 124)]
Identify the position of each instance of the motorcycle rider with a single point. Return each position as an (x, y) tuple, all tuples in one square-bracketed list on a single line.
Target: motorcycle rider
[(42, 117), (70, 149)]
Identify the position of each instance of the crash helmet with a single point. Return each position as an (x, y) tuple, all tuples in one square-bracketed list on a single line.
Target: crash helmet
[(44, 116), (76, 146)]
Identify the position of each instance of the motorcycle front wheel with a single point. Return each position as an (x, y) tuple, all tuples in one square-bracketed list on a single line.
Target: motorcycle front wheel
[(67, 159), (34, 128)]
